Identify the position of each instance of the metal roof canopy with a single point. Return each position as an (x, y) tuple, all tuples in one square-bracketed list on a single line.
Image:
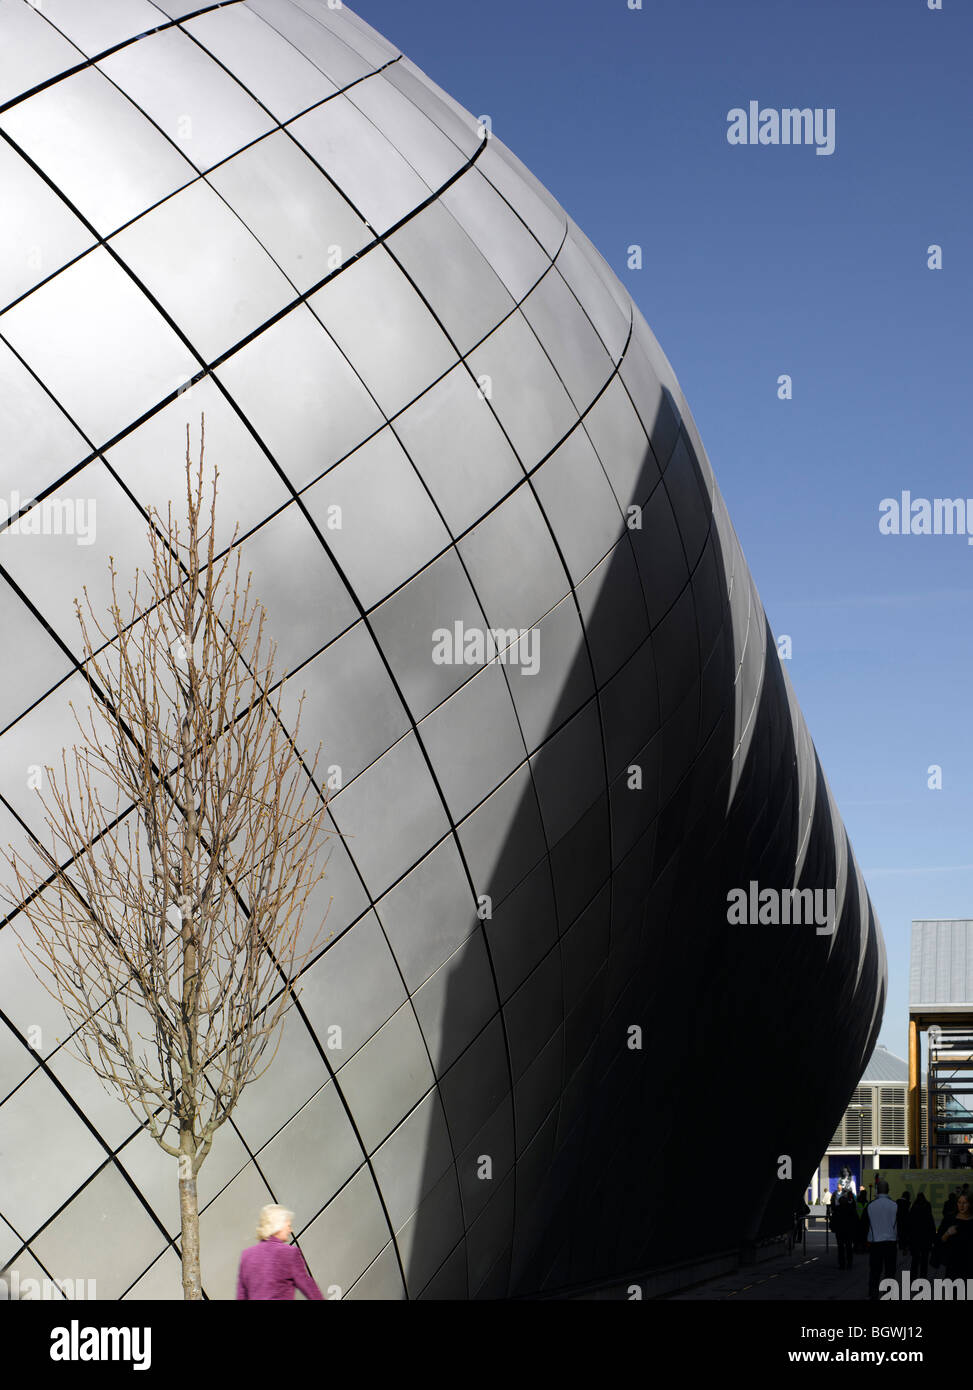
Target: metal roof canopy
[(885, 1068), (941, 968)]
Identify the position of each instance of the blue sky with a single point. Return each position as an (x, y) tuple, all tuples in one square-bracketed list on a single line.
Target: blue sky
[(765, 260)]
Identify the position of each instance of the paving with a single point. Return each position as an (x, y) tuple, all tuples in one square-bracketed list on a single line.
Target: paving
[(809, 1272)]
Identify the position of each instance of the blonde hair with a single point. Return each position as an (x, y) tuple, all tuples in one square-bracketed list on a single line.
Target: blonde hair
[(272, 1220)]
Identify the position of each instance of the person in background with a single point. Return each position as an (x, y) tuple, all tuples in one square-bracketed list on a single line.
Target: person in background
[(902, 1206), (921, 1231), (273, 1268), (861, 1237), (956, 1240), (844, 1224), (882, 1234), (846, 1183), (801, 1212)]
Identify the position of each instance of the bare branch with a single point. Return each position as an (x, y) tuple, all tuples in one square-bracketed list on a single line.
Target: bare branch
[(183, 836)]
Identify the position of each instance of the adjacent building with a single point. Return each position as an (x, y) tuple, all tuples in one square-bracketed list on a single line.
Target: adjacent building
[(941, 1006), (872, 1133)]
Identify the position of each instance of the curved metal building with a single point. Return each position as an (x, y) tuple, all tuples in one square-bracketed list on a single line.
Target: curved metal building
[(550, 1030)]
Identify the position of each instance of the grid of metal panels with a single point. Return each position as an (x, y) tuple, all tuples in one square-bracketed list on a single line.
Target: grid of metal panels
[(263, 211)]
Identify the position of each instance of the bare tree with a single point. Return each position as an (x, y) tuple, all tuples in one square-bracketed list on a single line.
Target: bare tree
[(169, 924)]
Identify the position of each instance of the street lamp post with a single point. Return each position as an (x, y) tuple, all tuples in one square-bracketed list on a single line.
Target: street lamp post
[(861, 1149)]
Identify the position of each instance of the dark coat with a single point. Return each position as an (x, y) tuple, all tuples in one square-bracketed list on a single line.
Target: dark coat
[(957, 1251), (904, 1206), (844, 1220), (921, 1227)]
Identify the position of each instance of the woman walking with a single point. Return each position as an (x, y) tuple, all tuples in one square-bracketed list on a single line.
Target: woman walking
[(273, 1268)]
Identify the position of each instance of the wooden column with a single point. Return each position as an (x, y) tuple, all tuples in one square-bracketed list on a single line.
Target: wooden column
[(914, 1106)]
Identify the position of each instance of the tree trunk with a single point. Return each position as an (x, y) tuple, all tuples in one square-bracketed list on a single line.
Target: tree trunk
[(189, 1212)]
